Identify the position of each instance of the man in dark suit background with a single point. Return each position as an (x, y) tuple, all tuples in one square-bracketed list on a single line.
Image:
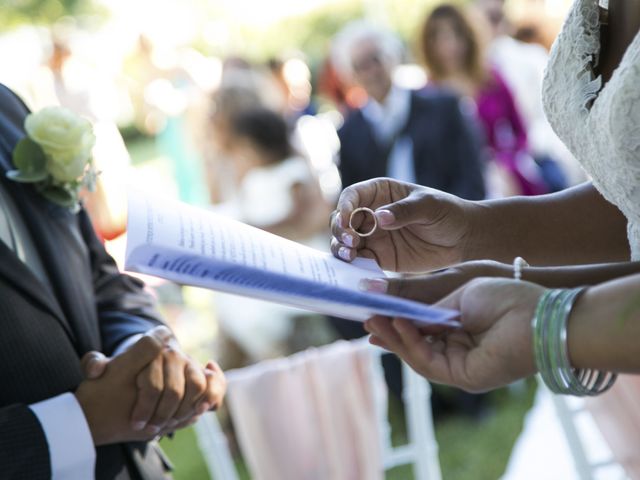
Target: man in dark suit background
[(416, 137), (62, 302)]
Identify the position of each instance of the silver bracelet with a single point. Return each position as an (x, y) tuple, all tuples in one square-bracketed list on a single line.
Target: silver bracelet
[(551, 352)]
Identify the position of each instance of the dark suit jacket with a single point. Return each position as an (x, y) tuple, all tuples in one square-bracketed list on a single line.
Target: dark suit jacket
[(445, 150), (46, 330)]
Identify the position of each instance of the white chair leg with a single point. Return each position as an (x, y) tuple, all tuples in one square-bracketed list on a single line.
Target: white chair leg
[(215, 448), (417, 395)]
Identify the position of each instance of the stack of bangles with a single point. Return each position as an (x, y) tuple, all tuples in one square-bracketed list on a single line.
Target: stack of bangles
[(551, 352), (550, 343)]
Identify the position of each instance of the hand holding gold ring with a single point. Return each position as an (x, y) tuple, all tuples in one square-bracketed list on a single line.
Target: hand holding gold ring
[(364, 210)]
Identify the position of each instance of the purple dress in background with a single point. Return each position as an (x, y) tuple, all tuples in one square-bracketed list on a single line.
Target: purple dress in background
[(506, 135)]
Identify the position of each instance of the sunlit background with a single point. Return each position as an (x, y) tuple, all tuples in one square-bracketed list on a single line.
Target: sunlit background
[(145, 71)]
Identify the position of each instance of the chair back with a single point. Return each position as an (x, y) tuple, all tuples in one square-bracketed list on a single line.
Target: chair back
[(421, 450)]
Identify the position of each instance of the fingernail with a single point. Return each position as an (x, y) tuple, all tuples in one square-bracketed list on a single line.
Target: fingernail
[(344, 254), (339, 220), (204, 407), (374, 285), (347, 239), (153, 429), (137, 426), (385, 217)]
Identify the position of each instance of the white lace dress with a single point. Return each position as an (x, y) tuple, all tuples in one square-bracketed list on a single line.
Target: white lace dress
[(601, 127), (599, 124)]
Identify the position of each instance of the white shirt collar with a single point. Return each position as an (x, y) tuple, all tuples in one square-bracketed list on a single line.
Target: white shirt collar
[(390, 116)]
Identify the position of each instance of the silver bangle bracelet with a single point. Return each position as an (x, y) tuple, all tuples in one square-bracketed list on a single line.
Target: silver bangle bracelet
[(551, 351)]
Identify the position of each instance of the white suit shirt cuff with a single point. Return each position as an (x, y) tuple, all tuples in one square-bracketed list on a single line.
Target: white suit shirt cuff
[(126, 343), (71, 449)]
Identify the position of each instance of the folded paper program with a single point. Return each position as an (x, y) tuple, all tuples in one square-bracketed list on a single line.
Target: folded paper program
[(194, 246)]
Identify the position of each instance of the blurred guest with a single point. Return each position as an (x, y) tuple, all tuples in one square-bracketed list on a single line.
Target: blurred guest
[(399, 133), (66, 79), (143, 69), (70, 81), (270, 186), (54, 84), (293, 77), (454, 54), (277, 190), (331, 87), (522, 67), (529, 33), (238, 92)]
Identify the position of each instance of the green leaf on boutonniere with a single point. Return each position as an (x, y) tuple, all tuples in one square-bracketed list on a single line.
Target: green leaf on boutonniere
[(60, 196), (30, 162)]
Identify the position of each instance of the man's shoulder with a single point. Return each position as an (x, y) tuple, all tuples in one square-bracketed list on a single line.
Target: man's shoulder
[(11, 105), (4, 90)]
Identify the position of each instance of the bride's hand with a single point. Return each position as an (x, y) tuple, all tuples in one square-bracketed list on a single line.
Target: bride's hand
[(492, 348), (419, 228), (434, 286)]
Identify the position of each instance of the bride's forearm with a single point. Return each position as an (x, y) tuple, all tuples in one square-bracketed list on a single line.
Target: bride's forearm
[(575, 226), (579, 275), (604, 327)]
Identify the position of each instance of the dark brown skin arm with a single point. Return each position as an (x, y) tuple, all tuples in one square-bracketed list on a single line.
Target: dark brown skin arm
[(623, 25), (575, 226)]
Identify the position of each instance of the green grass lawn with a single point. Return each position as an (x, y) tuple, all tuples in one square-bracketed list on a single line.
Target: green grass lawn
[(469, 449)]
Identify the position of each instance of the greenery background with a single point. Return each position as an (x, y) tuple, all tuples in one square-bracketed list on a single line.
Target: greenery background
[(309, 32), (469, 448)]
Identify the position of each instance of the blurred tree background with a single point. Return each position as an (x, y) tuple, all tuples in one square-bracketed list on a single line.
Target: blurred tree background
[(222, 32), (256, 30), (44, 12)]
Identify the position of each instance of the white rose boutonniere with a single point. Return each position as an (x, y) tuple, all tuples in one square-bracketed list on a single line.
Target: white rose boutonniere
[(56, 155)]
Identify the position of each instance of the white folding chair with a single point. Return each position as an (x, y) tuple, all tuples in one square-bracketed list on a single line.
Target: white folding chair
[(421, 450), (591, 456)]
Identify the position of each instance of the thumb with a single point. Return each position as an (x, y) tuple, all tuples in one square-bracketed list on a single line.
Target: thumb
[(93, 365), (425, 289), (411, 288), (416, 208), (143, 352), (422, 289), (453, 301)]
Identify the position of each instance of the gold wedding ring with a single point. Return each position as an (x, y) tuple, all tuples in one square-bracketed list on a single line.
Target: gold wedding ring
[(364, 210)]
